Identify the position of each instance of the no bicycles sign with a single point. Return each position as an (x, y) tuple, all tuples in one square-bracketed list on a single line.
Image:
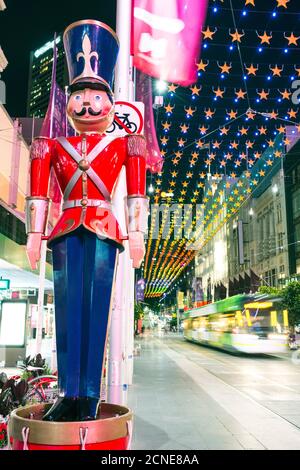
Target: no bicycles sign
[(129, 118)]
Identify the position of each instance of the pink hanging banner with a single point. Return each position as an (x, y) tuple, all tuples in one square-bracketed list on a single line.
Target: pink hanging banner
[(167, 38), (144, 94)]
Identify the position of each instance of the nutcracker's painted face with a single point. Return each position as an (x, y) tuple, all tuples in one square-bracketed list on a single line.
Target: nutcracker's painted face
[(90, 110)]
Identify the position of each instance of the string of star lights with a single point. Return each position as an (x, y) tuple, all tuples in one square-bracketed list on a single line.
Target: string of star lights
[(225, 133)]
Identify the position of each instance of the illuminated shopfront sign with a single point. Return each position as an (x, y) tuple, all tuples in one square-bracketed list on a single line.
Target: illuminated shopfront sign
[(4, 284), (12, 323)]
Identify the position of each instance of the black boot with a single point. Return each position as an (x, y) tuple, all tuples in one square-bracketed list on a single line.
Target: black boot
[(67, 409), (64, 409)]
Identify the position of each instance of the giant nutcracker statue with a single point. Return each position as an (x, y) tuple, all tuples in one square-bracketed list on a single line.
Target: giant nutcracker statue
[(87, 237)]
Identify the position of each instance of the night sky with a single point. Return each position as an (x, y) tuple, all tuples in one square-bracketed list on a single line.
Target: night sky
[(27, 25)]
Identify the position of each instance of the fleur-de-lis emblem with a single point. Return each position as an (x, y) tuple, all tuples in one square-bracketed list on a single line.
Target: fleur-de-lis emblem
[(87, 54)]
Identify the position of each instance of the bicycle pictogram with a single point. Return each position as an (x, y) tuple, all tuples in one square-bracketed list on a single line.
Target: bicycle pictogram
[(122, 121)]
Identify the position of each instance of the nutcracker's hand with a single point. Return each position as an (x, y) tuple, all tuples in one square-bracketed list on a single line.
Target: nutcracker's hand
[(136, 248), (33, 248)]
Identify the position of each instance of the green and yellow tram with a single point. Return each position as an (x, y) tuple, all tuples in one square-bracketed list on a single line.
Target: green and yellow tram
[(250, 323)]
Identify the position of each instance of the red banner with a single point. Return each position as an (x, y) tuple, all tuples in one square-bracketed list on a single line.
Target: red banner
[(144, 94), (167, 38)]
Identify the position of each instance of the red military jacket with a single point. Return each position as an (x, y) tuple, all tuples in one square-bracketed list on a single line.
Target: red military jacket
[(87, 168)]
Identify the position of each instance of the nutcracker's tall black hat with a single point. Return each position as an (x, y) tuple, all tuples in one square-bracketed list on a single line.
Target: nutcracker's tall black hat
[(91, 49)]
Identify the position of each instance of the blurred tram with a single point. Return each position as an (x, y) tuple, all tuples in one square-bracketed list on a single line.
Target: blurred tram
[(250, 323)]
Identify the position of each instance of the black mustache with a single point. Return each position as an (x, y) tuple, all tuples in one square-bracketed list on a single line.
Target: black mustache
[(90, 111)]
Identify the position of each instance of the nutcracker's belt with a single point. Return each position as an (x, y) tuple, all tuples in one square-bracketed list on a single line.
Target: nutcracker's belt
[(87, 203)]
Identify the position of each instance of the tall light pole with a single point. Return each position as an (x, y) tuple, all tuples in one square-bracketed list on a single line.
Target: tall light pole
[(122, 308)]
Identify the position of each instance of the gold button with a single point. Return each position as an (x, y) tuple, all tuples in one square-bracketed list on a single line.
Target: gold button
[(84, 165), (84, 202)]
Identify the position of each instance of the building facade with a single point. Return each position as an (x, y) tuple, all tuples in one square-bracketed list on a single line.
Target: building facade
[(40, 75), (260, 244), (20, 283)]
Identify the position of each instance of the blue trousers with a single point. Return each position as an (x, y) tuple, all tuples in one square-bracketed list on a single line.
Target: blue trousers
[(83, 267)]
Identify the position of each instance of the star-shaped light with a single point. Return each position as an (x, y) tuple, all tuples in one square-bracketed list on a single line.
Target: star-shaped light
[(199, 143), (190, 111), (244, 130), (277, 153), (223, 163), (247, 174), (240, 94), (234, 144), (237, 162), (212, 156), (195, 90), (281, 129), (228, 156), (164, 140), (203, 129), (265, 39), (255, 182), (276, 70), (236, 36), (249, 144), (263, 94), (208, 34), (209, 113), (292, 113), (166, 125), (285, 94), (195, 155), (202, 174), (178, 154), (262, 172), (250, 2), (172, 88), (269, 162), (216, 144), (243, 156), (271, 143), (184, 128), (292, 39), (218, 92), (297, 70), (163, 153), (262, 130), (174, 174), (232, 174), (189, 174), (273, 115), (225, 68), (251, 70), (169, 108), (181, 142), (202, 65), (250, 162), (286, 141), (232, 114), (250, 114), (172, 184), (282, 3), (224, 130), (257, 155)]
